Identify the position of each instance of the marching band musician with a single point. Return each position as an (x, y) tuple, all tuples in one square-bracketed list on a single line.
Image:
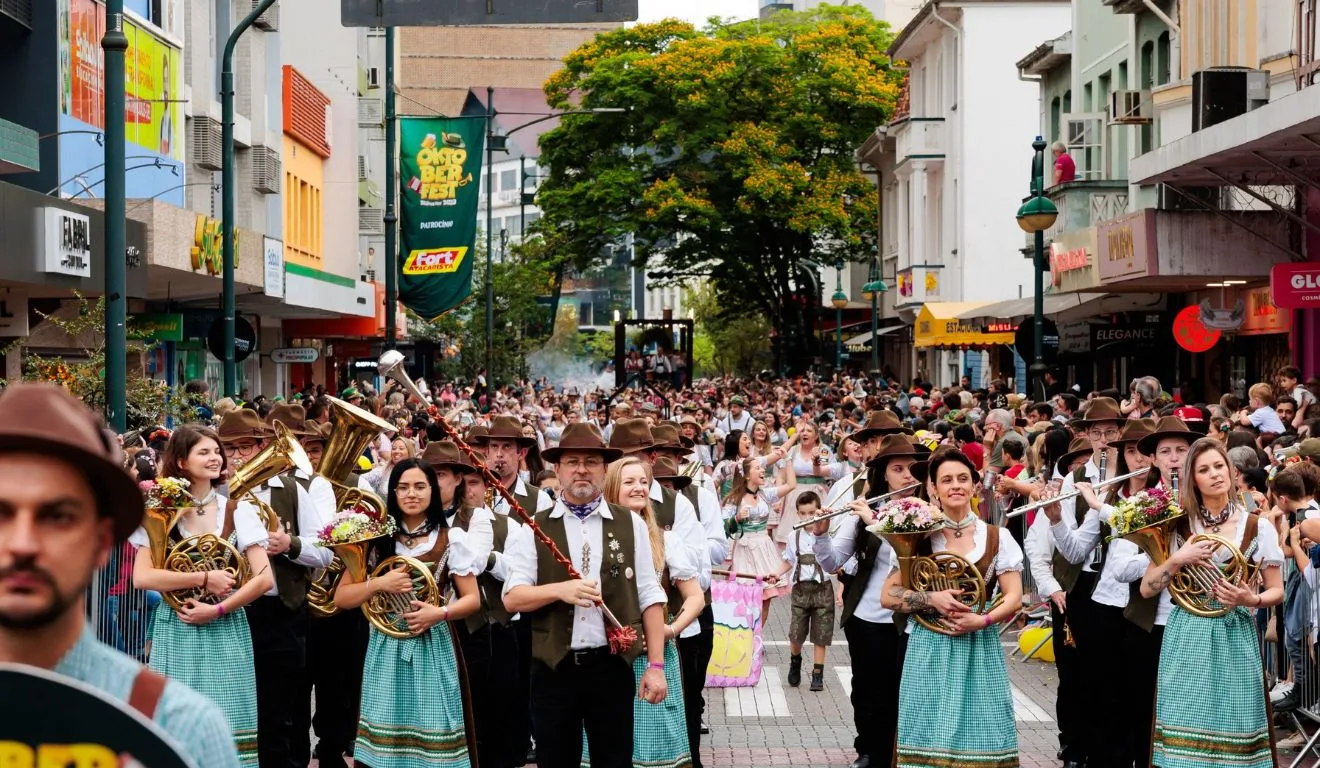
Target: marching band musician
[(207, 646), (970, 702), (413, 700), (576, 681), (505, 448), (697, 643), (490, 648), (279, 618), (1215, 714), (874, 643), (1095, 626)]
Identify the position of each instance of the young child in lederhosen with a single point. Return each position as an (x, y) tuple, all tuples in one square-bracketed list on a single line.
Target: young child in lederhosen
[(812, 598)]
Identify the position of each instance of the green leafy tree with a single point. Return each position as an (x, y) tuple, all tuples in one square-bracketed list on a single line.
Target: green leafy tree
[(734, 160), (727, 344)]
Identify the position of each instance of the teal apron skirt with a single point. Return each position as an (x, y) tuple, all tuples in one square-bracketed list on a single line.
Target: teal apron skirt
[(215, 660), (1210, 706), (955, 707), (412, 703), (659, 730)]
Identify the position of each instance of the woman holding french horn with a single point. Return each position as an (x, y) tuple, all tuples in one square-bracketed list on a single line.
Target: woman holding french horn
[(1213, 711), (413, 710), (955, 704), (201, 637)]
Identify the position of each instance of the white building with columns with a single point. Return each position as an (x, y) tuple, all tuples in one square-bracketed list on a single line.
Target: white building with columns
[(954, 166)]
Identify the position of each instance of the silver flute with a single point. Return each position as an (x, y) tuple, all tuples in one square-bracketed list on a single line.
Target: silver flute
[(845, 510), (1074, 494)]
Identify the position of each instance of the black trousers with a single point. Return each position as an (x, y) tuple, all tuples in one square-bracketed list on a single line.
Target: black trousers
[(520, 709), (592, 689), (1101, 631), (694, 657), (279, 656), (876, 651), (336, 651), (1069, 703), (490, 656), (1141, 655)]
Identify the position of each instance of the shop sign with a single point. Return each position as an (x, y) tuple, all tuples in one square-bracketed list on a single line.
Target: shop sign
[(1066, 260), (68, 243), (207, 249), (1075, 339), (293, 355), (1126, 247), (245, 339), (13, 313), (1263, 315), (364, 365), (274, 250), (1295, 285), (156, 327), (1190, 333), (1138, 337)]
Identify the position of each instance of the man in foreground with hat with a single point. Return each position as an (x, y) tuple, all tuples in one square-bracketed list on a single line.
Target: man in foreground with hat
[(278, 620), (874, 642), (65, 505), (576, 681)]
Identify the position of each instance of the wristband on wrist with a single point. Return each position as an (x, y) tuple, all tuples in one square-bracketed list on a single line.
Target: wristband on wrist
[(660, 665), (988, 620), (205, 578), (445, 613), (220, 608)]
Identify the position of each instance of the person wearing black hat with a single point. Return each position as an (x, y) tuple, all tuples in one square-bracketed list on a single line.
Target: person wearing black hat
[(576, 681), (874, 644), (55, 459), (279, 618)]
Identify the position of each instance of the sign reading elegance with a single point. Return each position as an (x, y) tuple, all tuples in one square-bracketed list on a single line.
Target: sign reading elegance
[(68, 243), (1126, 247), (439, 169), (1295, 285)]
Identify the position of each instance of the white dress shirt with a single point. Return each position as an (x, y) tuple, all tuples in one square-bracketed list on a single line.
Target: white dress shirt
[(1039, 545), (480, 533), (588, 623), (248, 530), (809, 571), (681, 567), (691, 534), (501, 505), (460, 558), (717, 544), (310, 523), (1077, 544), (1069, 518), (838, 549)]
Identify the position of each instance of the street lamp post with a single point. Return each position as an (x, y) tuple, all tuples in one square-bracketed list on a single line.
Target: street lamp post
[(115, 44), (871, 292), (839, 300), (1035, 216)]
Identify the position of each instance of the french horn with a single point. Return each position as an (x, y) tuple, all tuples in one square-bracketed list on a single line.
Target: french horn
[(195, 554), (352, 430), (1192, 587), (936, 573), (385, 610)]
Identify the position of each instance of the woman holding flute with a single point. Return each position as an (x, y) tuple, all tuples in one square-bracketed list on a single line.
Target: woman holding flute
[(874, 644), (955, 703)]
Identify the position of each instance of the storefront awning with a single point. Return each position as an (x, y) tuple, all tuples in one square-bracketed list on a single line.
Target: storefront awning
[(1268, 146), (938, 326), (865, 338), (1066, 307)]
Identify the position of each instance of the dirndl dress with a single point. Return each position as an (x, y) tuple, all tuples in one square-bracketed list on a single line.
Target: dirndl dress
[(659, 730), (412, 712), (807, 480), (214, 659), (754, 552), (1217, 714), (955, 706)]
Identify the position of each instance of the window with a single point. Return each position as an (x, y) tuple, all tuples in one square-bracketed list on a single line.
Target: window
[(1163, 65), (1088, 97), (1055, 113), (1122, 76), (1067, 102), (509, 179)]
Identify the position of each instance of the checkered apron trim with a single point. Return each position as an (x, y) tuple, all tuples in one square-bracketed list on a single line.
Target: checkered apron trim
[(659, 730)]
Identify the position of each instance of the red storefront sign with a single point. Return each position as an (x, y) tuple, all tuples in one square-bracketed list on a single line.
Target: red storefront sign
[(1295, 285), (1190, 333), (1065, 260)]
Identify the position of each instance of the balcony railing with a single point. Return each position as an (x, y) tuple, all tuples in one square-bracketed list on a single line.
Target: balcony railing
[(1084, 204), (919, 138)]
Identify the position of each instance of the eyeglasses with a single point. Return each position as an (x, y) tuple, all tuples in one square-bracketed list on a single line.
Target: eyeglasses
[(1105, 434), (412, 490), (591, 462)]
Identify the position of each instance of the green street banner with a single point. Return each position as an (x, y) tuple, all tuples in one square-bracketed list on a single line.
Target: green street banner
[(439, 177)]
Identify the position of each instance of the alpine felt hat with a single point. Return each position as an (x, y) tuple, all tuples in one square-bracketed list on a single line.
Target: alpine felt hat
[(581, 437), (508, 428), (632, 436), (1168, 427), (445, 454), (243, 424), (881, 422), (666, 469)]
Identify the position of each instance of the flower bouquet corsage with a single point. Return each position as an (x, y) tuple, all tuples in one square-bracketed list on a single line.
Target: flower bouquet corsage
[(348, 535), (904, 523), (1147, 520), (168, 493)]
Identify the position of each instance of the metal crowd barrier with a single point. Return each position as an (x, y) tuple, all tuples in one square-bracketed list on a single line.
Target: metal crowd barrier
[(119, 614), (1288, 652)]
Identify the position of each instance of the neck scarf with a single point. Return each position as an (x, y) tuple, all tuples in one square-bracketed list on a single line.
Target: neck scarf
[(582, 511)]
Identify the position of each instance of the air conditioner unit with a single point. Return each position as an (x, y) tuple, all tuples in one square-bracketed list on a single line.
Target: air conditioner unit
[(1223, 93), (1129, 107), (266, 170), (373, 77), (270, 20), (371, 112), (363, 169), (207, 144), (371, 221), (369, 276)]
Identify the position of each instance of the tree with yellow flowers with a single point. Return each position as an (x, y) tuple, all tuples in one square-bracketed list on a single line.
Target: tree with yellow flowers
[(734, 160)]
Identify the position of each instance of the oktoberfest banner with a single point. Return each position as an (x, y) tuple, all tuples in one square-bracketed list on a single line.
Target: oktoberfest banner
[(440, 180)]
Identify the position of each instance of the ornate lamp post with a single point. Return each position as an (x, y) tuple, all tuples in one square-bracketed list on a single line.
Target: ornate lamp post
[(839, 300), (1035, 216), (871, 292)]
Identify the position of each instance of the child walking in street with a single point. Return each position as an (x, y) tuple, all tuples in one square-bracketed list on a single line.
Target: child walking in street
[(812, 598)]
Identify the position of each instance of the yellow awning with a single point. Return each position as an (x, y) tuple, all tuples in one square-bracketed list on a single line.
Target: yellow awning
[(938, 326)]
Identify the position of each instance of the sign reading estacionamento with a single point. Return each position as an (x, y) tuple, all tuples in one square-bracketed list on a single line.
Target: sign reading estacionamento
[(439, 188)]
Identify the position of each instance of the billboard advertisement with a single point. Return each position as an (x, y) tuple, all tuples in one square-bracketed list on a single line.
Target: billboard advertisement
[(153, 78)]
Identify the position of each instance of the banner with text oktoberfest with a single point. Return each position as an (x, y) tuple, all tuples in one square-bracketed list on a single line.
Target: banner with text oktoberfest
[(439, 180)]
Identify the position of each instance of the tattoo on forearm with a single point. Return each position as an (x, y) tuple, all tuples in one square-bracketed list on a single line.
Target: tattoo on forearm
[(1159, 580), (913, 602)]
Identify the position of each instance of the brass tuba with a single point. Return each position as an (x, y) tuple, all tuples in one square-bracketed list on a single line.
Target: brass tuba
[(935, 573), (284, 454), (195, 554), (352, 430)]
